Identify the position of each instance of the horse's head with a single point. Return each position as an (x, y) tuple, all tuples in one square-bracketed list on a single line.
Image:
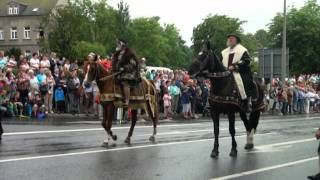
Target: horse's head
[(95, 70), (202, 64), (206, 62), (91, 71)]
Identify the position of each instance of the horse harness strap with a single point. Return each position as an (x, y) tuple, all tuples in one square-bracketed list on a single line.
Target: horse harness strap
[(219, 74), (224, 98)]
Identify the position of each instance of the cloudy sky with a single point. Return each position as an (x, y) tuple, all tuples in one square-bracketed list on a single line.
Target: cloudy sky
[(186, 14)]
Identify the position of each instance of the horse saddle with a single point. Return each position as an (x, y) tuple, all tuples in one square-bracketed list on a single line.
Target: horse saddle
[(225, 90), (136, 92)]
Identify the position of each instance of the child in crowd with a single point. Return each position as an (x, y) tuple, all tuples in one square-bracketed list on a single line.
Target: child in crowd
[(59, 99), (186, 103), (167, 104), (88, 89)]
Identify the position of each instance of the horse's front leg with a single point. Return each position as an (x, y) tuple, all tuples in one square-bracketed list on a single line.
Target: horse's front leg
[(232, 130), (215, 119), (108, 114), (133, 124)]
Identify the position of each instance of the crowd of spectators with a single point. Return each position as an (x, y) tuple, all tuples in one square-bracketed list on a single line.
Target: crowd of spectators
[(296, 95), (36, 86), (178, 94)]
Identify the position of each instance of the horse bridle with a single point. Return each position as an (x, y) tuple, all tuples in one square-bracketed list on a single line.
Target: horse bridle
[(214, 75), (97, 71)]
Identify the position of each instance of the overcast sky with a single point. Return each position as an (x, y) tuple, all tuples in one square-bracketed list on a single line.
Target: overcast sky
[(186, 14)]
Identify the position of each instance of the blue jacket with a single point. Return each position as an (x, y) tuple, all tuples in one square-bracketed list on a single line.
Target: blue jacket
[(59, 95)]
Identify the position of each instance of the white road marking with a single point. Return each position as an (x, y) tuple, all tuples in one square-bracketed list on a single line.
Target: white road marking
[(185, 132), (276, 147), (137, 127), (94, 129), (269, 168), (116, 149), (289, 120), (288, 143)]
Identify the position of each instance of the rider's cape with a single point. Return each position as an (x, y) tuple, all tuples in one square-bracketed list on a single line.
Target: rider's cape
[(129, 62), (242, 75)]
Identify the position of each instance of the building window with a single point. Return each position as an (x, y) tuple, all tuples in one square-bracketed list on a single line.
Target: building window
[(1, 35), (41, 33), (27, 32), (14, 33), (10, 11), (15, 10)]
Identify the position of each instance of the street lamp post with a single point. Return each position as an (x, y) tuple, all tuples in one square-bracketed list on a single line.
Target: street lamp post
[(284, 42)]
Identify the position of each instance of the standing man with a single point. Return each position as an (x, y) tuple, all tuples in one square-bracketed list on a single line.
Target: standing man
[(236, 58), (126, 63)]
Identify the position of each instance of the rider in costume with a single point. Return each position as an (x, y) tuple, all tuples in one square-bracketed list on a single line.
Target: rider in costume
[(236, 58), (126, 64)]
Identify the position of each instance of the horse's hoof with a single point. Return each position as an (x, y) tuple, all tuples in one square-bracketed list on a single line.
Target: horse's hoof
[(152, 139), (114, 137), (113, 145), (127, 141), (105, 145), (233, 153), (248, 146), (214, 154)]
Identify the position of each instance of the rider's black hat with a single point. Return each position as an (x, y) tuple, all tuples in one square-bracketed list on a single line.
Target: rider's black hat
[(235, 36)]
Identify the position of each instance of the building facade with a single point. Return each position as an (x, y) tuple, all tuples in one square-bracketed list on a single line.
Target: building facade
[(20, 23)]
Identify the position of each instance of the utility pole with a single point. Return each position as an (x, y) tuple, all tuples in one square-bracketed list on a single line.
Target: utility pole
[(284, 43)]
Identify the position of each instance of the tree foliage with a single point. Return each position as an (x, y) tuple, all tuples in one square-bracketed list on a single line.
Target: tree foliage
[(84, 25), (16, 52), (303, 37), (216, 28), (81, 49)]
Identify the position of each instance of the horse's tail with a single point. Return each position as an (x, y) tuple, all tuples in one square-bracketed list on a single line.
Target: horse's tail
[(260, 93)]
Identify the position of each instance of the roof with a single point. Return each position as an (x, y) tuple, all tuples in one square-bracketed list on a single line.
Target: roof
[(44, 6)]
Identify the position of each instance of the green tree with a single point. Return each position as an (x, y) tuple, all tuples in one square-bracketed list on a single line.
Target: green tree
[(147, 40), (303, 37), (16, 52), (74, 28), (263, 39), (215, 29), (81, 49), (178, 54)]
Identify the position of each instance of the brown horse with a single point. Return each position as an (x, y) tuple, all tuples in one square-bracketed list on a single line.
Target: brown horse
[(142, 97)]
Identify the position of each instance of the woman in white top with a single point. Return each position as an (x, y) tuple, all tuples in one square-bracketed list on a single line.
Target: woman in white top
[(45, 63), (34, 83), (34, 62), (66, 65), (24, 66), (50, 82)]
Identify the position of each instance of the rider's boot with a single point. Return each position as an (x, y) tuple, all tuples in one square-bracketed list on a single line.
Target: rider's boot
[(126, 94)]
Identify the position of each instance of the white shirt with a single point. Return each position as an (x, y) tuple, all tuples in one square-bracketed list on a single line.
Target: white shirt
[(34, 63)]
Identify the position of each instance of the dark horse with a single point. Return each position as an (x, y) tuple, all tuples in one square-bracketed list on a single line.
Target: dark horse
[(225, 98)]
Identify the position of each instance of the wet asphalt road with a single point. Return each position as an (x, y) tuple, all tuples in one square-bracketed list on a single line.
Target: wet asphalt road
[(285, 149)]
